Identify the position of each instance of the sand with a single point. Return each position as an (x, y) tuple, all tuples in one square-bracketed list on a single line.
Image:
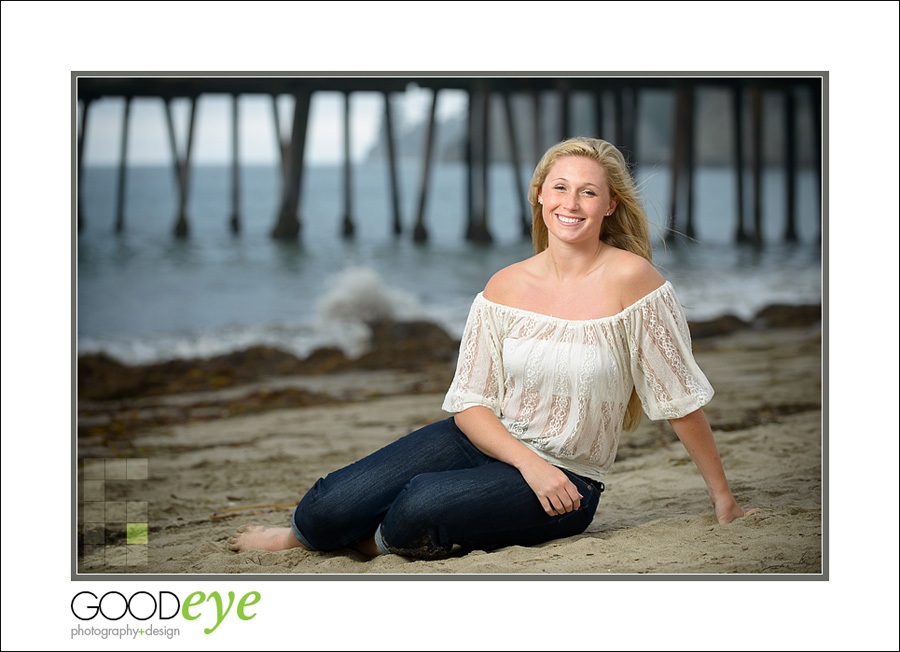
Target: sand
[(207, 478)]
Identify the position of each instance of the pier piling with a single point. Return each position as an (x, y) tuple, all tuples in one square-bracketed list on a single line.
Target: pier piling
[(598, 114), (626, 100), (235, 221), (182, 166), (521, 193), (470, 158), (288, 223), (82, 126), (790, 167), (477, 230), (392, 164), (619, 102), (680, 166), (537, 141), (737, 108), (757, 155), (348, 229), (816, 91), (420, 233), (281, 145), (565, 110), (123, 168), (689, 165)]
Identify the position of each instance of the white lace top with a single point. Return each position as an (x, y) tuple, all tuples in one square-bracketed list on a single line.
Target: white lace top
[(562, 386)]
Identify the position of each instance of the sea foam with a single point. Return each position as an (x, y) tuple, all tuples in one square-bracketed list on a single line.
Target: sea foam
[(359, 294), (357, 297)]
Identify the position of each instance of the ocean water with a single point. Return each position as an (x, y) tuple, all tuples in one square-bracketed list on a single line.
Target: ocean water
[(143, 295)]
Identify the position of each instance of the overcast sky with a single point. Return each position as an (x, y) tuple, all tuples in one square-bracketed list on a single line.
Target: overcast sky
[(148, 139)]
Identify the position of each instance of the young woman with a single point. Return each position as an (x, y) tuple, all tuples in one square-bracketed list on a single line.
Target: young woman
[(561, 353)]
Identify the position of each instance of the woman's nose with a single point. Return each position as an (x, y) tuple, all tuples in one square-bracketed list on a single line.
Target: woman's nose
[(570, 200)]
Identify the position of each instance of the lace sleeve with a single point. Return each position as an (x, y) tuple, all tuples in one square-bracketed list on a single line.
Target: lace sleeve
[(666, 376), (479, 369)]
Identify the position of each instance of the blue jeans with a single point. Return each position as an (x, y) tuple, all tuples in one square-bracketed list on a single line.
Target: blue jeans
[(429, 491)]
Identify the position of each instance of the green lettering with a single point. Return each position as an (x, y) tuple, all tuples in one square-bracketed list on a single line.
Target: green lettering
[(190, 602), (220, 616), (245, 603)]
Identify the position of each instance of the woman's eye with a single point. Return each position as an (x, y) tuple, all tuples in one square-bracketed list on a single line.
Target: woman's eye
[(590, 192)]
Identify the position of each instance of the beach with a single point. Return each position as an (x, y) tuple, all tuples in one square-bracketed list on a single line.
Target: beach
[(233, 451)]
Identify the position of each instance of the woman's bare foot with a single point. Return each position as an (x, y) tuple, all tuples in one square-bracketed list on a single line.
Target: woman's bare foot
[(263, 537)]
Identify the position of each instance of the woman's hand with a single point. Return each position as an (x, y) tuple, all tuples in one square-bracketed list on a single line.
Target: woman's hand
[(552, 487)]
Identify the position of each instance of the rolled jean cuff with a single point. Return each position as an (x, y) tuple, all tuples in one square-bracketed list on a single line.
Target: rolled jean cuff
[(297, 534), (380, 544)]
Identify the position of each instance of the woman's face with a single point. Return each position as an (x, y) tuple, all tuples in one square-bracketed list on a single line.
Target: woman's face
[(575, 199)]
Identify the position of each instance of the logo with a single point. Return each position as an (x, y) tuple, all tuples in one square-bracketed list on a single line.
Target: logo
[(165, 605)]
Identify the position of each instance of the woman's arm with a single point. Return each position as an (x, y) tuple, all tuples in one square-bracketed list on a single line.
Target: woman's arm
[(552, 487), (694, 432)]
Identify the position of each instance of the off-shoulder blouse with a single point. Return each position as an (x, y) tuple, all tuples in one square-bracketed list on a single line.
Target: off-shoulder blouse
[(562, 386)]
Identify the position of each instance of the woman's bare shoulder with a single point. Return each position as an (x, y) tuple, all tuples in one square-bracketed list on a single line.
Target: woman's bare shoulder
[(507, 285), (635, 276)]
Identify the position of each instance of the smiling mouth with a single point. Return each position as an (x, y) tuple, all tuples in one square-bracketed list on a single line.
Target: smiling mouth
[(569, 220)]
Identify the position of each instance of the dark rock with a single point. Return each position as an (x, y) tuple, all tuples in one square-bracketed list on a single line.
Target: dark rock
[(326, 360), (724, 325), (258, 360), (395, 345), (102, 377), (786, 316), (407, 345)]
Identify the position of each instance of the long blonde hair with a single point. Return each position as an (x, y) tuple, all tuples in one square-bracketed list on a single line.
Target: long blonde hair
[(626, 228)]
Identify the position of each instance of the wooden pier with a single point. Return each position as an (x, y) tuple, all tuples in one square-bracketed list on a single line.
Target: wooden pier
[(624, 94)]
